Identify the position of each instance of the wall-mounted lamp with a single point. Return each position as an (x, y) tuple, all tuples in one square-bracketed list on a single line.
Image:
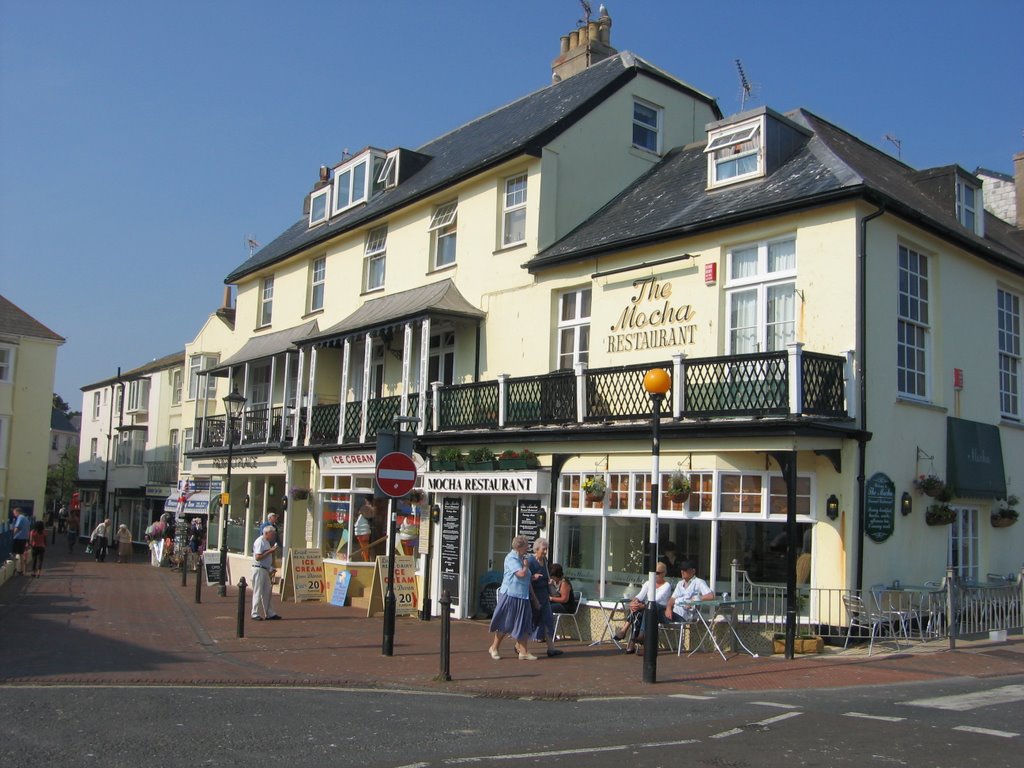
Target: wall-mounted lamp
[(542, 518), (906, 503), (270, 490), (435, 513), (832, 507), (284, 501), (247, 501)]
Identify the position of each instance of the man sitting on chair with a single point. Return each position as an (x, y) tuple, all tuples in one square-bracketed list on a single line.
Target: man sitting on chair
[(689, 590)]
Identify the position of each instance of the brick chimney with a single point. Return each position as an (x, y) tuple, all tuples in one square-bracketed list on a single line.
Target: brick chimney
[(584, 46)]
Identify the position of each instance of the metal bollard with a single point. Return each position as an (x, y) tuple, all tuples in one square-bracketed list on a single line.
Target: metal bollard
[(240, 626), (446, 635), (199, 586), (184, 570)]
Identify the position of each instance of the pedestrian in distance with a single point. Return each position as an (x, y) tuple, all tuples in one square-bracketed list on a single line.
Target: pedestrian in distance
[(62, 519), (74, 521), (100, 539), (263, 549), (124, 544), (22, 526), (540, 580), (513, 614), (37, 541)]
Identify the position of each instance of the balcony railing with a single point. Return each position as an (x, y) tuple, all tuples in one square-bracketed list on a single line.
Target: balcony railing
[(779, 384), (162, 472)]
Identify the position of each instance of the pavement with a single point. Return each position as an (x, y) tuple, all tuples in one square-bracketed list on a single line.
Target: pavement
[(84, 622)]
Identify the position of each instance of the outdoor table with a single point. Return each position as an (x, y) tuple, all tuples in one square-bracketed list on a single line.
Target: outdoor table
[(720, 612), (615, 609), (920, 600)]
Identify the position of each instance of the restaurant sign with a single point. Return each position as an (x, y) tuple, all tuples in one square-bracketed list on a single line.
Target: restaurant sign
[(879, 507), (652, 320)]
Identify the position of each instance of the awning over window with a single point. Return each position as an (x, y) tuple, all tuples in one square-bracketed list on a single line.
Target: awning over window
[(196, 504), (974, 459), (267, 345)]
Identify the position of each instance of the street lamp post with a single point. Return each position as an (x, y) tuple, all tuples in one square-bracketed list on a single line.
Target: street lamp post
[(657, 382), (233, 405)]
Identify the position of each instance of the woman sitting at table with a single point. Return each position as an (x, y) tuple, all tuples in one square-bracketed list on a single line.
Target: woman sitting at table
[(562, 598), (688, 591), (634, 625)]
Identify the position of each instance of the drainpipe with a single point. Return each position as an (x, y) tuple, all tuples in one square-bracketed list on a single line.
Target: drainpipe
[(862, 276)]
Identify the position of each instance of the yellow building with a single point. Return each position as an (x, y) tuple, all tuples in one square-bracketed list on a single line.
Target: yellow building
[(28, 360)]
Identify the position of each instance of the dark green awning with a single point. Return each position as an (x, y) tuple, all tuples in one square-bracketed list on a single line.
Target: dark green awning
[(974, 459)]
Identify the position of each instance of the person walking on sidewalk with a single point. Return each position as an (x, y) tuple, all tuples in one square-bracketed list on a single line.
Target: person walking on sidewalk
[(37, 541), (543, 618), (124, 544), (19, 545), (263, 549), (73, 522), (100, 539), (514, 614)]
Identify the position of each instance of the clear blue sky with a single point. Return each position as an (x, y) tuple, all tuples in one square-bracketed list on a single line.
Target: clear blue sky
[(141, 142)]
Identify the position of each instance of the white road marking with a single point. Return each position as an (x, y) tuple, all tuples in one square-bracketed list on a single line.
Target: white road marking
[(723, 734), (775, 704), (985, 731), (689, 696), (966, 701), (875, 717), (778, 718), (563, 752)]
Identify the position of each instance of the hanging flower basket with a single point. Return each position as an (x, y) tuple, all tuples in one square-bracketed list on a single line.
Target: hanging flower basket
[(1007, 514), (929, 485), (999, 521), (678, 490), (298, 494), (939, 514), (594, 488)]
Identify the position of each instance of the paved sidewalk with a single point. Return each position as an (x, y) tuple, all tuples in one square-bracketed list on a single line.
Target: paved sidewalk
[(88, 622)]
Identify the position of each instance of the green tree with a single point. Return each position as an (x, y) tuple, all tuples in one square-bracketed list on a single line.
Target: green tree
[(60, 478)]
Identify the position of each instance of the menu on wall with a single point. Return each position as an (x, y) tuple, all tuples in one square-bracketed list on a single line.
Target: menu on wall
[(528, 515), (451, 543), (879, 507)]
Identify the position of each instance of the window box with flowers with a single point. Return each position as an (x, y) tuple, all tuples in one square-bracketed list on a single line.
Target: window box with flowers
[(939, 514), (678, 488), (929, 485), (480, 459), (509, 459), (594, 488), (1007, 513), (298, 494), (447, 459)]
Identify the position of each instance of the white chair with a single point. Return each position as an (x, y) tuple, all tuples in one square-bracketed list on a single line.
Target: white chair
[(559, 616), (876, 623)]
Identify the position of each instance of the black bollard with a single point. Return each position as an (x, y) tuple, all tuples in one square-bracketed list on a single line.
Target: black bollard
[(240, 627), (184, 571), (446, 635), (199, 586)]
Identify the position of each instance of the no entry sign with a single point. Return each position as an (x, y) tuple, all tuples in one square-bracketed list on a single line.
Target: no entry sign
[(396, 475)]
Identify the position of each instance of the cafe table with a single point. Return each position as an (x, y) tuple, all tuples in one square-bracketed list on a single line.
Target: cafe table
[(616, 610), (911, 602), (711, 613)]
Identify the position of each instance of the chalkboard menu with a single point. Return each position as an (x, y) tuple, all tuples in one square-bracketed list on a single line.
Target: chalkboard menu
[(211, 567), (879, 507), (451, 543), (528, 517)]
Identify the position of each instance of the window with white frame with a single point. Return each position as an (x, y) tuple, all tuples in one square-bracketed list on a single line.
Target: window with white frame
[(119, 399), (4, 429), (319, 206), (387, 176), (6, 364), (513, 211), (95, 406), (969, 209), (197, 363), (186, 448), (912, 326), (963, 544), (374, 258), (1008, 316), (131, 447), (177, 379), (574, 328), (441, 363), (266, 300), (735, 153), (358, 180), (761, 296), (174, 441), (138, 396), (94, 449), (317, 283), (259, 386), (443, 234), (646, 126)]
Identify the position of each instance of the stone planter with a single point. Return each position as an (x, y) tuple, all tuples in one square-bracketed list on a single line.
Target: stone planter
[(810, 644)]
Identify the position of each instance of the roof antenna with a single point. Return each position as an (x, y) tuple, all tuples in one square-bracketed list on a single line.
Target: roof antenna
[(896, 143), (253, 245), (586, 25), (746, 89)]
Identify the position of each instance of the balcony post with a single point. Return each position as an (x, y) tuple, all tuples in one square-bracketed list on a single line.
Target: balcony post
[(796, 378), (502, 399), (850, 377), (403, 408), (581, 392), (435, 394), (312, 378), (297, 418), (422, 385), (346, 356), (284, 398), (367, 358), (679, 385), (243, 422), (268, 419)]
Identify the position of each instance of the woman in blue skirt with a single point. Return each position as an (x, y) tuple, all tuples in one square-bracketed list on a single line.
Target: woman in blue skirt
[(513, 614)]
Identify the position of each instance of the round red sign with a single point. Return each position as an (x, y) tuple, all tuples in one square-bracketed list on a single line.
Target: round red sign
[(396, 475)]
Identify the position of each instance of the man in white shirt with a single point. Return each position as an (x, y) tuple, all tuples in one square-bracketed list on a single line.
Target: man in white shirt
[(688, 591), (263, 549)]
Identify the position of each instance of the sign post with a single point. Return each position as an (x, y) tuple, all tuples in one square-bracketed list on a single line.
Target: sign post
[(396, 477)]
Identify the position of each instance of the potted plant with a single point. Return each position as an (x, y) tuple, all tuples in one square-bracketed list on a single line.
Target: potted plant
[(1007, 514), (447, 459), (929, 485), (416, 496), (509, 459), (939, 514), (594, 487), (532, 462), (481, 458), (299, 493), (678, 490), (804, 643)]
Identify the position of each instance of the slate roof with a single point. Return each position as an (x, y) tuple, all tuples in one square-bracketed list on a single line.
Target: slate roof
[(159, 364), (672, 199), (522, 127), (59, 422), (266, 345), (16, 322)]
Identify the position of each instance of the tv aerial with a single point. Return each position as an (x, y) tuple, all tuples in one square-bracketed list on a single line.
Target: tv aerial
[(747, 89)]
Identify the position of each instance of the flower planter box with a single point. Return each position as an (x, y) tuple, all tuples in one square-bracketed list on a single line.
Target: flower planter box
[(939, 518), (813, 644), (998, 521), (480, 466), (447, 466), (511, 463)]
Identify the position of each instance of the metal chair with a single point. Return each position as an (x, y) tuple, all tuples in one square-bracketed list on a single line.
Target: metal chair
[(876, 623), (889, 603), (559, 616)]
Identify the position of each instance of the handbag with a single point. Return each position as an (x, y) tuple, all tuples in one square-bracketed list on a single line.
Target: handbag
[(88, 548)]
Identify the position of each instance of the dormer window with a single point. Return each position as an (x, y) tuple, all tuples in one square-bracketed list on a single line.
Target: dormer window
[(388, 176), (735, 153), (319, 206), (968, 206), (356, 180)]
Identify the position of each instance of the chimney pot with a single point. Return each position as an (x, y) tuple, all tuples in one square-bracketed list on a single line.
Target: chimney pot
[(574, 39), (227, 297), (563, 44)]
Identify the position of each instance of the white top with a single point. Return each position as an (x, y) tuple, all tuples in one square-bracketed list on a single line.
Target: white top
[(260, 546), (661, 594), (688, 592)]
